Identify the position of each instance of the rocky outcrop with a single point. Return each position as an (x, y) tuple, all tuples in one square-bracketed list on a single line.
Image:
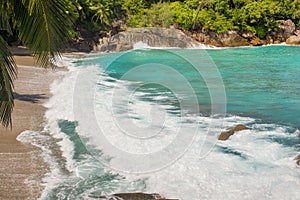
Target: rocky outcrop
[(154, 37), (286, 28), (225, 135), (293, 40), (132, 196), (232, 39), (162, 37), (227, 39), (257, 42)]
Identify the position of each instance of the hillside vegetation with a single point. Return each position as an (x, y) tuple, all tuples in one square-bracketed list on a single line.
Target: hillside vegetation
[(257, 16), (96, 18)]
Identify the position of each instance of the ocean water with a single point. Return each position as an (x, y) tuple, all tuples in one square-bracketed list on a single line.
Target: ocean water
[(147, 120)]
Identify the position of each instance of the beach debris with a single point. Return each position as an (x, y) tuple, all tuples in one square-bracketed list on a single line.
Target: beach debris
[(226, 134)]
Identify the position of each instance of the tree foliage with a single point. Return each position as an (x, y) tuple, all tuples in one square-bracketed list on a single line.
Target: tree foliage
[(257, 16), (43, 26)]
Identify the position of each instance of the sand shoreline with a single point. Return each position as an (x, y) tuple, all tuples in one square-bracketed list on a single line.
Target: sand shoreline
[(22, 166)]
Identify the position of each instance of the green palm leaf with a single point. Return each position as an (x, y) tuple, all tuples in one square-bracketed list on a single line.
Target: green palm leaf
[(43, 26), (8, 72)]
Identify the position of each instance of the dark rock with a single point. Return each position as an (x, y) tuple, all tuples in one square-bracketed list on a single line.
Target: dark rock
[(207, 37), (257, 42), (297, 158), (138, 196), (83, 46), (286, 28), (293, 40), (227, 39), (232, 39), (132, 196), (225, 135), (116, 27), (247, 35)]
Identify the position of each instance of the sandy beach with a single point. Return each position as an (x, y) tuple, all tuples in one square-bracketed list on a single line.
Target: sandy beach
[(21, 165)]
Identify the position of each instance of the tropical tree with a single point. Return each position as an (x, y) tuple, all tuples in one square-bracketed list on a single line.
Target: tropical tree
[(43, 26)]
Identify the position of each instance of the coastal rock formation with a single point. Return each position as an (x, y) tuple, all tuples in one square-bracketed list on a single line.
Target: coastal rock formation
[(154, 37), (132, 196), (286, 28), (257, 42), (163, 37), (225, 135), (293, 40), (207, 37), (232, 39), (227, 39)]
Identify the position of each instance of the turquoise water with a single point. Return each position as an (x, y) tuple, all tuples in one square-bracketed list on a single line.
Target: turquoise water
[(161, 103), (260, 82)]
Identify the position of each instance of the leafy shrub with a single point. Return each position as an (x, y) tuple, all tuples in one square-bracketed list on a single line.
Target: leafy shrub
[(160, 14)]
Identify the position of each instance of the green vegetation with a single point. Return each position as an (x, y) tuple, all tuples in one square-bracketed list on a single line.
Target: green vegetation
[(42, 25), (45, 26), (257, 16)]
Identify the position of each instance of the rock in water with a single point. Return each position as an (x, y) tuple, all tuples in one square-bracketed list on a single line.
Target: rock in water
[(132, 196), (225, 135), (297, 158)]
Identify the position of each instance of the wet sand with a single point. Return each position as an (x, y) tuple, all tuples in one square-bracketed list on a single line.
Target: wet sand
[(21, 165)]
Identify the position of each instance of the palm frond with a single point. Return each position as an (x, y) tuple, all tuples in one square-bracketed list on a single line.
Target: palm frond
[(4, 17), (44, 27), (8, 72)]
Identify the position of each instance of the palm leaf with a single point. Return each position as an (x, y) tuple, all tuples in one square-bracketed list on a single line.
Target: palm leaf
[(43, 26), (4, 17), (8, 72)]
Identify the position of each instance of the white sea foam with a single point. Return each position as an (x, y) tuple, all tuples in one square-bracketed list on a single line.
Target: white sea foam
[(265, 173), (45, 142), (60, 106), (247, 166), (141, 45)]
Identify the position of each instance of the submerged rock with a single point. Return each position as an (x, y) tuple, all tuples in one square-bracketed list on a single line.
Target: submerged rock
[(225, 135)]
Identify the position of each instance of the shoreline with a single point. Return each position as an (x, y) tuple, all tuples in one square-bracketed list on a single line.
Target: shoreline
[(23, 175), (22, 165)]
